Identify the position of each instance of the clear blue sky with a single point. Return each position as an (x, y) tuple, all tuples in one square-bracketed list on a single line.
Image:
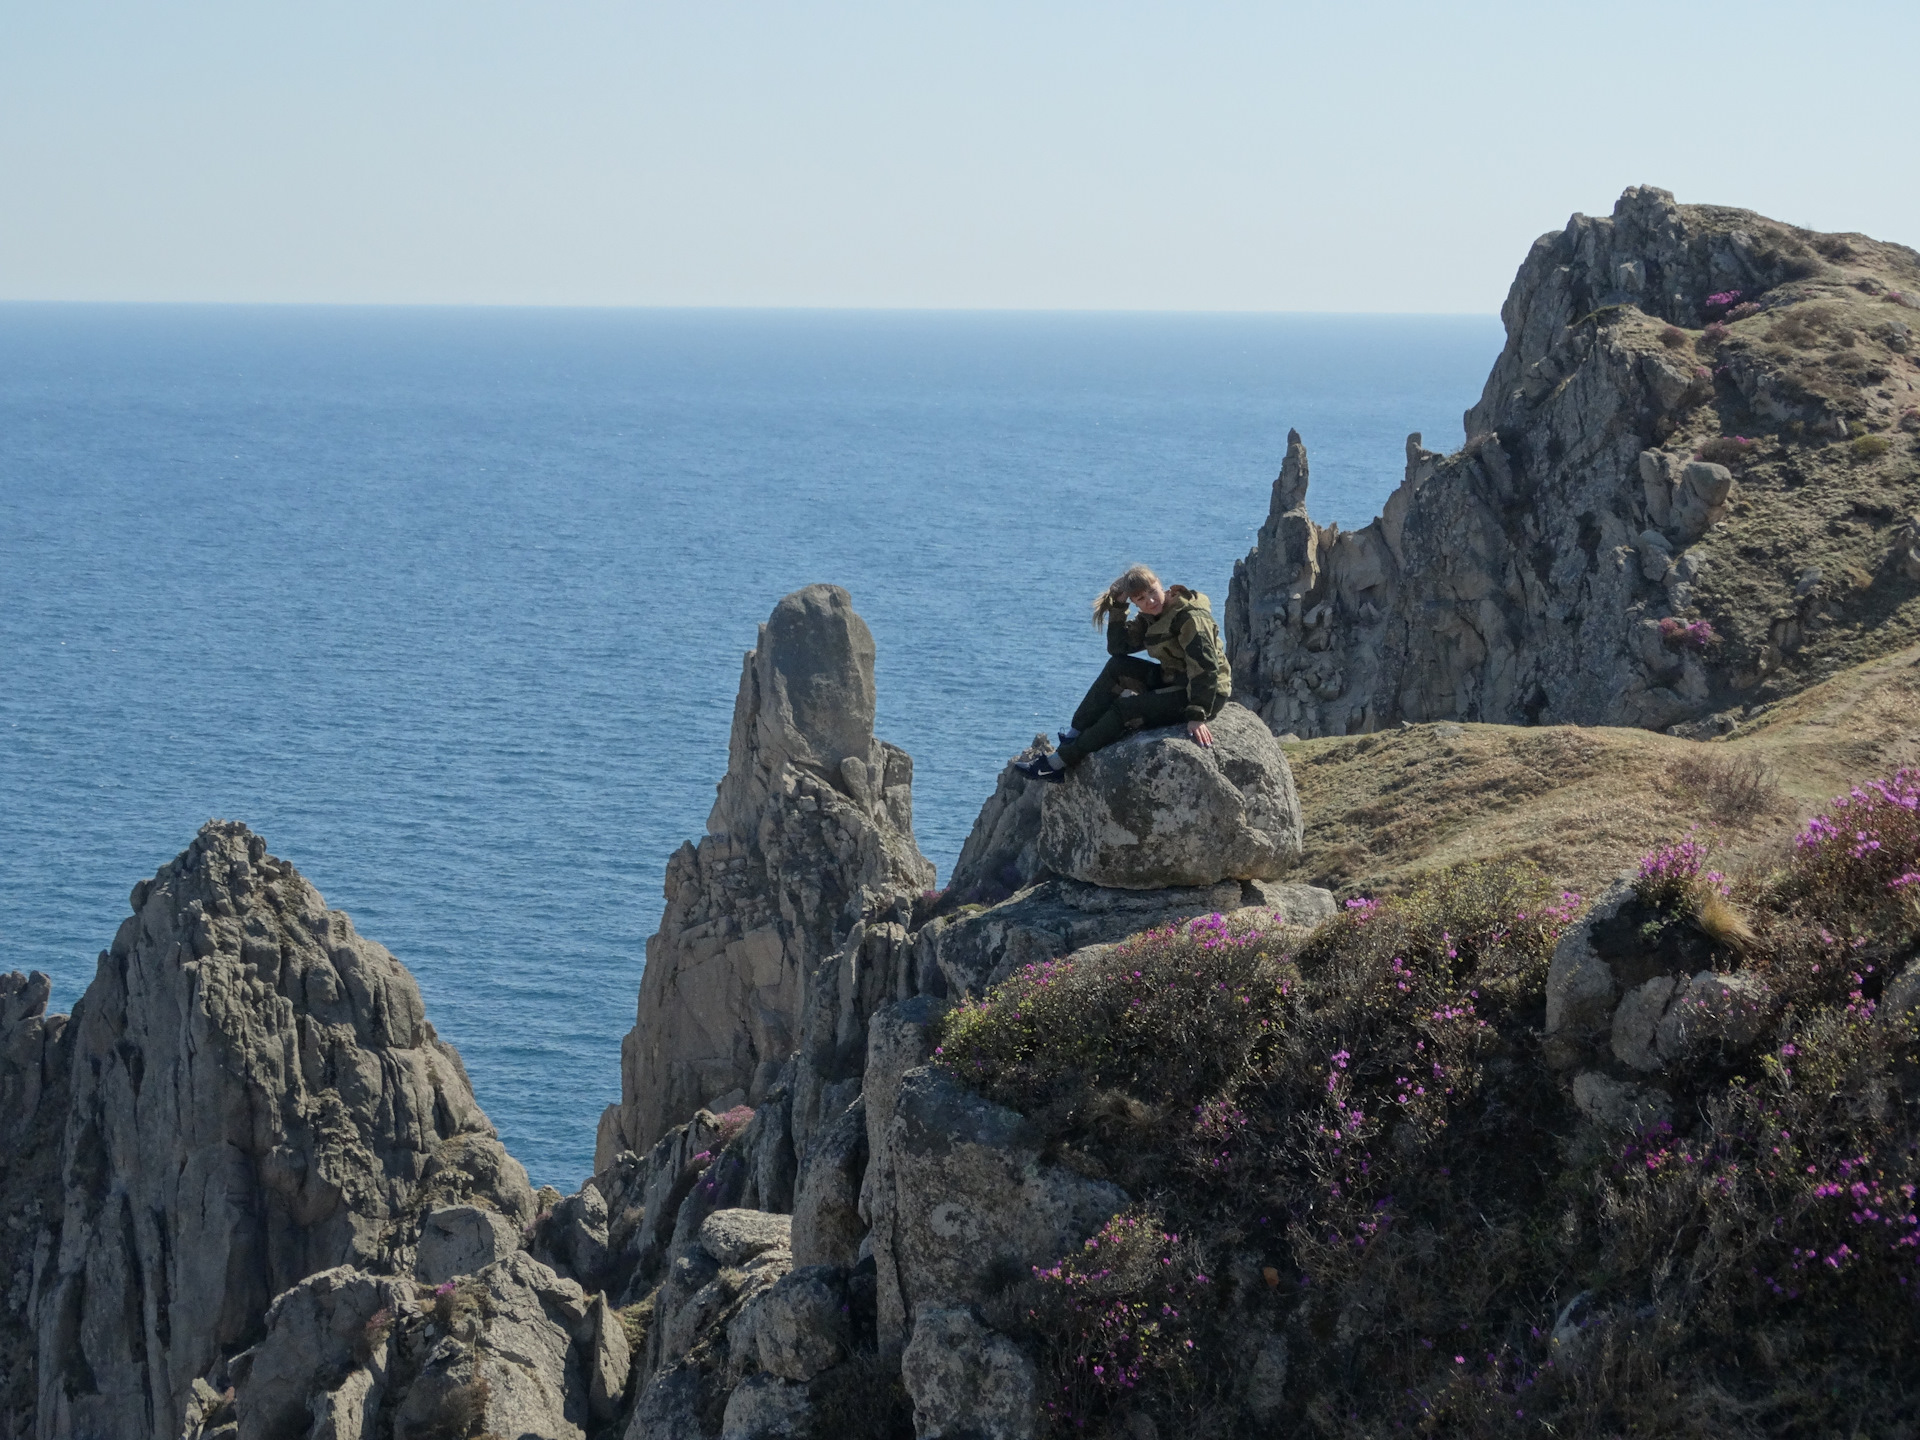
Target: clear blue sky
[(1194, 155)]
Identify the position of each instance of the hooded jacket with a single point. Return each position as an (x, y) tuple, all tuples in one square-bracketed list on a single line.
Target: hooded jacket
[(1186, 642)]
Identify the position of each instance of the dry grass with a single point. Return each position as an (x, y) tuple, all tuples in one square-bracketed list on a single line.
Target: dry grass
[(1585, 803)]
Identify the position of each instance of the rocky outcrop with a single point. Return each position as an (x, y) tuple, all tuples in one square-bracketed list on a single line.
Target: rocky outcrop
[(1545, 572), (811, 838), (1632, 994), (1001, 854), (963, 1197), (512, 1349), (249, 1094), (1158, 809), (965, 952), (967, 1381)]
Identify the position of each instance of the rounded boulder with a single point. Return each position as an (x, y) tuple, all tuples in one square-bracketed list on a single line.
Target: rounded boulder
[(1158, 809)]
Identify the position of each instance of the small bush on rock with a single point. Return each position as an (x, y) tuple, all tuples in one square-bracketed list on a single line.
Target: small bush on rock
[(1870, 447), (1728, 450), (1694, 635)]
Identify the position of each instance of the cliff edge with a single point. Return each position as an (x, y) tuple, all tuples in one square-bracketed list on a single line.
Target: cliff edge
[(1687, 490)]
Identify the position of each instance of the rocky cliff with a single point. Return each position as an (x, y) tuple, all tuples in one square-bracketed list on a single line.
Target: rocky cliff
[(1687, 490), (248, 1093)]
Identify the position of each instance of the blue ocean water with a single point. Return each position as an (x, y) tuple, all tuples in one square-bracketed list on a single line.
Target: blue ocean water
[(450, 604)]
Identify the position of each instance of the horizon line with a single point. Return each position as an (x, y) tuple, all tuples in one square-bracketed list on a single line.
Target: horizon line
[(1090, 310)]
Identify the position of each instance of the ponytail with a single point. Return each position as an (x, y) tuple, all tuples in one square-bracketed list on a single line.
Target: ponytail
[(1136, 580)]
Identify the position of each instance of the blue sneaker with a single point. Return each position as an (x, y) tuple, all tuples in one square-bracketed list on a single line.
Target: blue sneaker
[(1037, 768)]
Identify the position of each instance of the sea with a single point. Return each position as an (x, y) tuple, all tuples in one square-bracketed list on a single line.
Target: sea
[(450, 604)]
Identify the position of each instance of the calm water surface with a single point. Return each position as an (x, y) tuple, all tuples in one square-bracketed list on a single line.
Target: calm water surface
[(450, 604)]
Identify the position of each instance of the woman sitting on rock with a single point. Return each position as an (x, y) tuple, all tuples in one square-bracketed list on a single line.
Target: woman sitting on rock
[(1187, 679)]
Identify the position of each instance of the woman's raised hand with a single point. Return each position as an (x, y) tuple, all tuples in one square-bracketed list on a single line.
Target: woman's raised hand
[(1199, 731)]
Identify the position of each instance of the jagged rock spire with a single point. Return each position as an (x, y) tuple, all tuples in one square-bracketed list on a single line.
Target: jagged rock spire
[(811, 836)]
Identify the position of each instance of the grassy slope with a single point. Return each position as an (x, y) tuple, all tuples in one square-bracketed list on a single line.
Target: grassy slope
[(1586, 803)]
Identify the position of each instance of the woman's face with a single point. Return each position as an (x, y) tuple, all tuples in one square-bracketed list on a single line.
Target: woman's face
[(1152, 600)]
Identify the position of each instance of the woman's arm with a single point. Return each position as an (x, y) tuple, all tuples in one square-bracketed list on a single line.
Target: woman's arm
[(1124, 636), (1209, 680)]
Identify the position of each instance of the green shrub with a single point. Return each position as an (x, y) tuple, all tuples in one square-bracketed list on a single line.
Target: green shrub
[(1870, 447)]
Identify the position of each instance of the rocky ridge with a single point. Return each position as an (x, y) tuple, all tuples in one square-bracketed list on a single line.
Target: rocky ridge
[(1687, 490)]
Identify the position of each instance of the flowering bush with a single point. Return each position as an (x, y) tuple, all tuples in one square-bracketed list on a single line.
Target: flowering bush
[(1291, 1108), (1170, 1015), (1672, 873), (1724, 300), (1695, 635), (1713, 334), (732, 1123), (1745, 310), (1863, 853), (1727, 450), (1119, 1312), (1389, 1176)]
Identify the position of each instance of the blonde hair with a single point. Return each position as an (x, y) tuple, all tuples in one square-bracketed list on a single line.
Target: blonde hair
[(1135, 580)]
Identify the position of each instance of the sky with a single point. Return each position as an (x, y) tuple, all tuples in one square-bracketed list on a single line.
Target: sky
[(1351, 156)]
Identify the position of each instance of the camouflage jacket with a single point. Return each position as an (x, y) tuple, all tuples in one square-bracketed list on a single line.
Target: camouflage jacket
[(1186, 642)]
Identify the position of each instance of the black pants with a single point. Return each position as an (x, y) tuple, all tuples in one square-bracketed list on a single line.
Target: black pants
[(1109, 711)]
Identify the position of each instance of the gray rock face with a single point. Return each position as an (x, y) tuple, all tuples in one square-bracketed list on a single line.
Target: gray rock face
[(812, 834), (1502, 583), (1581, 988), (460, 1239), (765, 1407), (827, 1227), (1303, 905), (256, 1096), (1001, 854), (1158, 809), (1620, 1105), (513, 1350), (963, 1192), (34, 1065), (799, 1326), (967, 1382), (1667, 1018), (573, 1238)]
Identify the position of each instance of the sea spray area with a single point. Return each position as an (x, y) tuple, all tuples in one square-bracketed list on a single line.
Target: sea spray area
[(450, 605)]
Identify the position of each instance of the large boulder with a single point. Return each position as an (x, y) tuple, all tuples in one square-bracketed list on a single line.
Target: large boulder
[(1159, 809)]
